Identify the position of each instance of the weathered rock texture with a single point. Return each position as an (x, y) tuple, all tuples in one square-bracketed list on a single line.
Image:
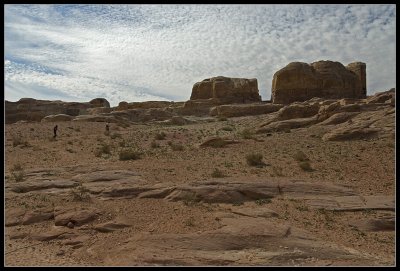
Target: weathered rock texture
[(300, 81), (35, 110), (228, 90)]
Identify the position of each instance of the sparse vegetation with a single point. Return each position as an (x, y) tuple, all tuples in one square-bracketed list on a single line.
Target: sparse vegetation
[(263, 201), (80, 193), (129, 154), (103, 149), (160, 136), (217, 173), (305, 165), (191, 199), (255, 159), (217, 143), (17, 172), (18, 176), (176, 147), (247, 133)]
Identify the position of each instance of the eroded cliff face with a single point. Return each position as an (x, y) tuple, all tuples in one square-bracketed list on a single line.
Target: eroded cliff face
[(29, 109), (300, 81), (227, 90)]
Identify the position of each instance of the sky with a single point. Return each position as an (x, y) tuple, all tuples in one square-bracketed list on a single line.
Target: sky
[(143, 52)]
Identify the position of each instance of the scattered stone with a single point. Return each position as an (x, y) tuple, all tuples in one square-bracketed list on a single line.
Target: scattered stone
[(111, 226), (77, 216)]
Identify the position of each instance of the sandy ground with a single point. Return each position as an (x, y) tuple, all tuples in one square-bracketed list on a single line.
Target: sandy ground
[(367, 166)]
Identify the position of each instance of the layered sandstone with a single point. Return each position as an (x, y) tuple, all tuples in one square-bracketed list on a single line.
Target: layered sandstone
[(227, 90), (29, 109), (300, 81)]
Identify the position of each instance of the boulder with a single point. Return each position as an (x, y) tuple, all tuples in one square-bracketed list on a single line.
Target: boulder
[(228, 90), (236, 110), (286, 125), (78, 216), (383, 223), (111, 226), (300, 81), (382, 97), (99, 102), (339, 118)]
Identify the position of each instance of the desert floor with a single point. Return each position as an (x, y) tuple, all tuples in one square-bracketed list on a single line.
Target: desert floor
[(367, 167)]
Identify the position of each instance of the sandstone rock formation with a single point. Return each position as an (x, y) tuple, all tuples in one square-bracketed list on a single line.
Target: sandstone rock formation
[(228, 90), (300, 81), (100, 102), (35, 110), (236, 110)]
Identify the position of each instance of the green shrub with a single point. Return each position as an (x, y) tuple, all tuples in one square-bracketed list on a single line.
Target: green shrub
[(255, 159), (216, 143), (129, 154), (103, 149)]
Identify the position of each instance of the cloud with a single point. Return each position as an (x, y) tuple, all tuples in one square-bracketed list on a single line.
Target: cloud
[(157, 52)]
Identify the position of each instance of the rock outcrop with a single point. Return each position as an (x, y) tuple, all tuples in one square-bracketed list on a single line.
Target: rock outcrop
[(227, 90), (29, 109), (300, 81), (236, 110)]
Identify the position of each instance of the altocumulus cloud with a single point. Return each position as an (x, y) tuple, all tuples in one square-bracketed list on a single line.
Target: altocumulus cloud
[(157, 52)]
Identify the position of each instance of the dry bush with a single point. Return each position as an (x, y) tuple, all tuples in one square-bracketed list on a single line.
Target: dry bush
[(217, 173), (255, 159), (103, 149), (80, 193), (247, 134), (129, 154)]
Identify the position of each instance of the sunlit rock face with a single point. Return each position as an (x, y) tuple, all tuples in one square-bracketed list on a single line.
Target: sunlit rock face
[(300, 81)]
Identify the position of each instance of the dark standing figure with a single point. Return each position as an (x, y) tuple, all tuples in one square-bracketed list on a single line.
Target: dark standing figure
[(107, 128), (55, 131)]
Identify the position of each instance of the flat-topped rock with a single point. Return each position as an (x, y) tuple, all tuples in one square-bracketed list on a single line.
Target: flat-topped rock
[(228, 90), (300, 81)]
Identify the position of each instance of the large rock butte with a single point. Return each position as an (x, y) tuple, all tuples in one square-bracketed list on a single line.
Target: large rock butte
[(300, 81), (227, 90)]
